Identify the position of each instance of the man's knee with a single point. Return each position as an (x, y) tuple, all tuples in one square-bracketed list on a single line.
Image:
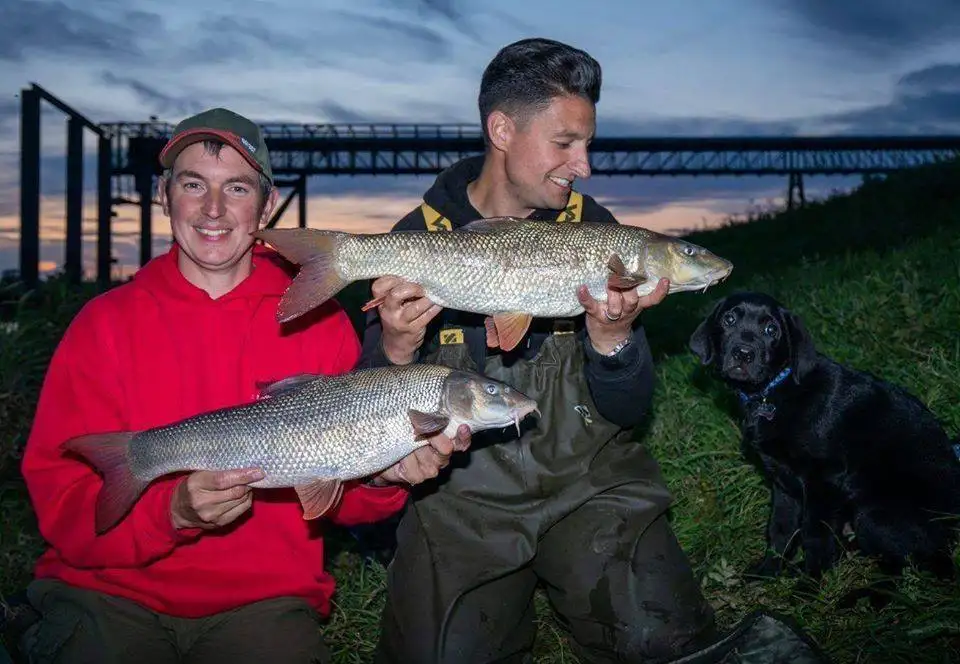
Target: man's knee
[(284, 630), (631, 594), (77, 626)]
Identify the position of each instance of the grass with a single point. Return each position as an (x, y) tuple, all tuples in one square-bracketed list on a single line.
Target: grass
[(876, 277)]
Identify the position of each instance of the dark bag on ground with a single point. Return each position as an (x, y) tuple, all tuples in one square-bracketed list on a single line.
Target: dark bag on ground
[(760, 638)]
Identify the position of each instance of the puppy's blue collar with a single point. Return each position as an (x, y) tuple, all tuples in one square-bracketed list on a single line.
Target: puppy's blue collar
[(779, 378)]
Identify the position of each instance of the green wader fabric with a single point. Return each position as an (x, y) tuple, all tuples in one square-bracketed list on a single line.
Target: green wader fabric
[(576, 504), (79, 626)]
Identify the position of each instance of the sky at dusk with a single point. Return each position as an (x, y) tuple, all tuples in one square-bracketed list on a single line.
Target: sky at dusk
[(684, 68)]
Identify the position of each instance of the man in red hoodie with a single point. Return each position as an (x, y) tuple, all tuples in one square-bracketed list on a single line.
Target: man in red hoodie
[(201, 569)]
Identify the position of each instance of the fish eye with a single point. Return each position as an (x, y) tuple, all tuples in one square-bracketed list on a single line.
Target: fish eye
[(729, 319), (688, 250), (491, 388)]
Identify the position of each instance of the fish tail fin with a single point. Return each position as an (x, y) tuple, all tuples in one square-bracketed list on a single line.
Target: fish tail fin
[(317, 252), (109, 453)]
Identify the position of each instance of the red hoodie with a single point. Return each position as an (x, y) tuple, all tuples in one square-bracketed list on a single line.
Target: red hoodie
[(154, 351)]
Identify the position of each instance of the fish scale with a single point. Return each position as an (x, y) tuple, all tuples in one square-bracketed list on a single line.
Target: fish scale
[(305, 434)]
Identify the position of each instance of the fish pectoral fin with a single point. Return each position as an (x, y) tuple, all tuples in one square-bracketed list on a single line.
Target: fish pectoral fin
[(427, 424), (285, 385), (493, 340), (620, 277), (511, 328), (319, 497), (373, 304)]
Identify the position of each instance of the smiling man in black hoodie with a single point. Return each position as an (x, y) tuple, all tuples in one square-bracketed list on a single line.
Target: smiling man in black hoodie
[(575, 503)]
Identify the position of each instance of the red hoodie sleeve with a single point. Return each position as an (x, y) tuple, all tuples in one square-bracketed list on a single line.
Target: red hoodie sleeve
[(360, 504), (81, 394)]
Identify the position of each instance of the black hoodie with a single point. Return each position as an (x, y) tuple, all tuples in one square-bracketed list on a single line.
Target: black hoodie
[(621, 387)]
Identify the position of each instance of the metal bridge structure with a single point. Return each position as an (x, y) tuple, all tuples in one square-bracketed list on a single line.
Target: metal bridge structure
[(128, 165)]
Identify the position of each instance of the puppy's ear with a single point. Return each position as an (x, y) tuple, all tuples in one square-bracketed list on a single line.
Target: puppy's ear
[(701, 341), (802, 352)]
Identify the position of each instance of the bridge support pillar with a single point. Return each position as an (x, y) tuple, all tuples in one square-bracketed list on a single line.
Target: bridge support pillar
[(104, 211), (144, 184), (302, 200), (73, 258), (795, 194), (29, 187)]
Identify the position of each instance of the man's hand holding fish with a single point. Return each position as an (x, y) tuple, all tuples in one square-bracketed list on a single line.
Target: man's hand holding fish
[(611, 324)]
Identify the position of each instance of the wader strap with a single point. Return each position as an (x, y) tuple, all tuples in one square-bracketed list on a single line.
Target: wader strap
[(574, 210)]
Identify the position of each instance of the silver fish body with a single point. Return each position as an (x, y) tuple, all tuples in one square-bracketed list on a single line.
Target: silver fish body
[(311, 432), (336, 427), (499, 267)]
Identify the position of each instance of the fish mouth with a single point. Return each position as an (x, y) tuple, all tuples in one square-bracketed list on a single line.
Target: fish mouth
[(701, 284), (519, 413), (522, 412), (717, 277)]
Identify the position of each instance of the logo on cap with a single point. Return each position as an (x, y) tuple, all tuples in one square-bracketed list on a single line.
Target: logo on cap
[(247, 144)]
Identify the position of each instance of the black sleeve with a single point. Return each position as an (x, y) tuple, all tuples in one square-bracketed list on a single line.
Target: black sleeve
[(371, 354), (621, 387)]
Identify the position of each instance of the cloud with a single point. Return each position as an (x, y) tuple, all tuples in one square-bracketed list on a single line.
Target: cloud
[(880, 29), (159, 103), (448, 12), (938, 77), (335, 112), (696, 126), (250, 40), (39, 26), (425, 43), (925, 101), (9, 115)]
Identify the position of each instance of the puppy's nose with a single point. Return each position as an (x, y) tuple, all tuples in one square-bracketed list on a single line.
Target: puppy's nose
[(744, 354)]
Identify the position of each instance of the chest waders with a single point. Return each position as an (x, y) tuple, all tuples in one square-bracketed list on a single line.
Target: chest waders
[(565, 505)]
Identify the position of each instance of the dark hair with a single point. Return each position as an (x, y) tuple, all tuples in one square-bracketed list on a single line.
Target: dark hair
[(526, 75)]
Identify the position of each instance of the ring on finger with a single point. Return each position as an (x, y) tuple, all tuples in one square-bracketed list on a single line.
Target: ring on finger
[(610, 318)]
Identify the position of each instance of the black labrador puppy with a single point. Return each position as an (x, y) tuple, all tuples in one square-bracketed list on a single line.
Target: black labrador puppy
[(841, 448)]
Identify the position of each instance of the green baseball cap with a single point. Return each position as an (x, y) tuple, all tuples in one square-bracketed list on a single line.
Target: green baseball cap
[(219, 123)]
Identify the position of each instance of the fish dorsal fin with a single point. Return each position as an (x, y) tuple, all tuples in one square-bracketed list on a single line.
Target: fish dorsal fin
[(492, 225), (620, 277), (427, 424), (319, 497), (287, 385)]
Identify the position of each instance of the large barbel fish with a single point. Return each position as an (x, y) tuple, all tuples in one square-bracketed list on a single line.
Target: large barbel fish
[(309, 432), (508, 268)]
